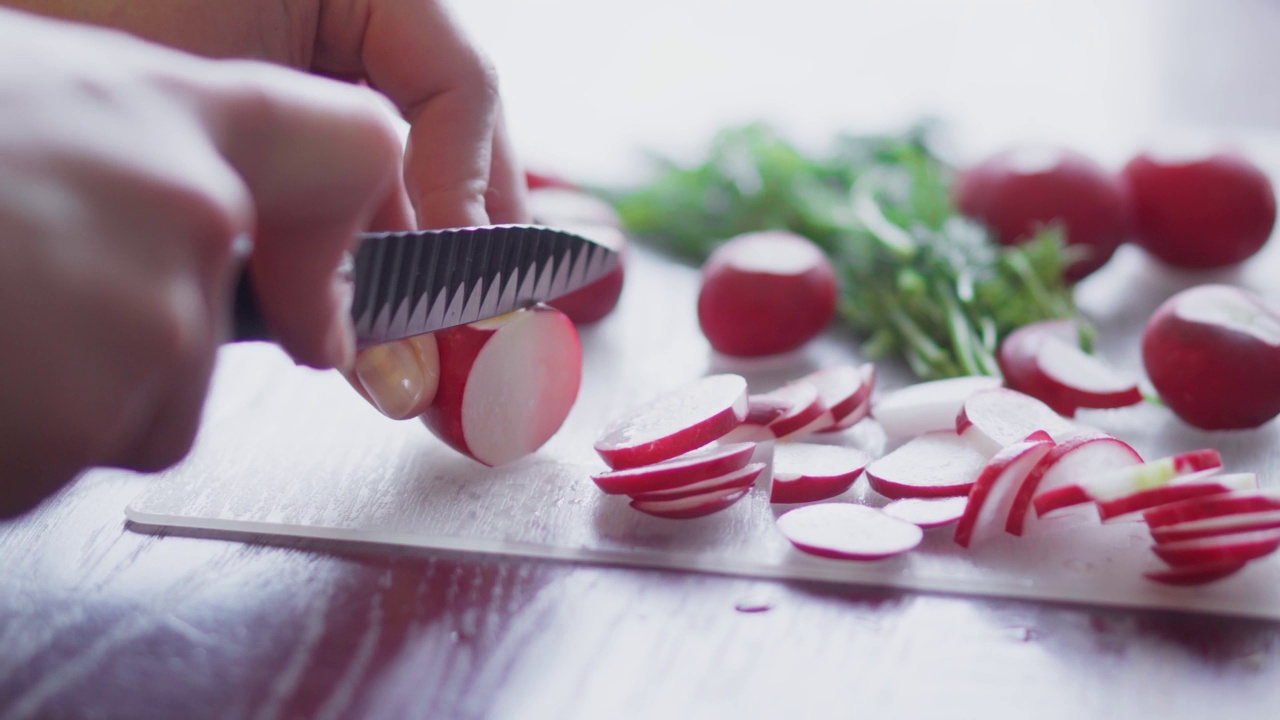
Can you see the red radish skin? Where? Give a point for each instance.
(1074, 458)
(765, 293)
(1016, 192)
(536, 180)
(687, 469)
(927, 406)
(1210, 211)
(676, 422)
(762, 410)
(1224, 525)
(928, 513)
(1119, 482)
(806, 408)
(994, 489)
(1213, 507)
(1044, 360)
(938, 464)
(694, 506)
(805, 472)
(740, 478)
(1207, 482)
(1237, 547)
(1211, 352)
(994, 419)
(845, 531)
(841, 391)
(862, 409)
(506, 384)
(1188, 575)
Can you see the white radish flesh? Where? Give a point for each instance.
(683, 470)
(676, 422)
(848, 532)
(928, 406)
(993, 419)
(928, 512)
(740, 478)
(1044, 360)
(806, 408)
(936, 464)
(692, 506)
(994, 489)
(805, 472)
(1078, 457)
(1126, 480)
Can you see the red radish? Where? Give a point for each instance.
(845, 531)
(1081, 456)
(692, 506)
(1205, 482)
(687, 469)
(1016, 192)
(674, 423)
(861, 408)
(1195, 574)
(841, 391)
(937, 464)
(928, 406)
(1204, 212)
(994, 489)
(993, 419)
(1044, 360)
(535, 180)
(593, 302)
(506, 384)
(804, 472)
(765, 293)
(1212, 507)
(1124, 481)
(1224, 525)
(762, 410)
(560, 206)
(1211, 352)
(740, 478)
(928, 512)
(1237, 547)
(805, 411)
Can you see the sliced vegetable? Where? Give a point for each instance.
(1200, 484)
(1126, 481)
(743, 477)
(807, 472)
(1044, 360)
(1185, 575)
(937, 464)
(1237, 547)
(1212, 507)
(1082, 456)
(994, 489)
(846, 531)
(675, 422)
(993, 419)
(687, 469)
(928, 512)
(693, 506)
(928, 406)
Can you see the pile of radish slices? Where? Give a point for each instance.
(967, 454)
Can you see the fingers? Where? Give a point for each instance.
(507, 197)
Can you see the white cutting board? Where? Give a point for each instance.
(292, 452)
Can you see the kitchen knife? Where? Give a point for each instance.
(409, 283)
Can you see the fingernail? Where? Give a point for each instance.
(341, 349)
(392, 375)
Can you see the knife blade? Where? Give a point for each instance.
(409, 283)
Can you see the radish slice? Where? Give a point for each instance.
(996, 485)
(1237, 547)
(804, 472)
(506, 384)
(848, 532)
(993, 419)
(1213, 506)
(761, 410)
(1222, 525)
(1205, 482)
(675, 423)
(936, 464)
(842, 390)
(1126, 481)
(1078, 457)
(863, 407)
(740, 478)
(692, 506)
(928, 512)
(928, 406)
(805, 411)
(1195, 574)
(684, 470)
(1044, 360)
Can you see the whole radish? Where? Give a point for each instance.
(1212, 352)
(765, 293)
(1017, 192)
(1206, 212)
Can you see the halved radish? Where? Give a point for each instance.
(1044, 360)
(928, 406)
(928, 512)
(1200, 484)
(993, 419)
(1213, 506)
(1077, 457)
(765, 293)
(1126, 480)
(1195, 574)
(936, 464)
(805, 411)
(692, 506)
(506, 384)
(740, 478)
(1236, 547)
(805, 472)
(1222, 525)
(687, 469)
(674, 423)
(994, 489)
(848, 532)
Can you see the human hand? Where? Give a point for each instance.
(459, 168)
(127, 181)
